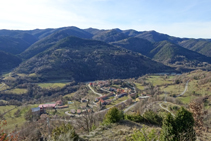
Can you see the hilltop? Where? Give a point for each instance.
(84, 60)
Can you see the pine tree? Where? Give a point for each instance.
(168, 129)
(184, 124)
(113, 115)
(178, 128)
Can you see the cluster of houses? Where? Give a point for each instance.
(114, 92)
(53, 105)
(104, 100)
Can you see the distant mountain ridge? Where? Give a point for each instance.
(164, 52)
(202, 46)
(39, 44)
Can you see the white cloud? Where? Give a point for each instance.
(38, 14)
(102, 14)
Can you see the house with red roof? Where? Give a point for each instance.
(102, 102)
(104, 97)
(47, 106)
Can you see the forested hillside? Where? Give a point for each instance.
(8, 61)
(84, 60)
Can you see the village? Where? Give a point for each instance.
(115, 93)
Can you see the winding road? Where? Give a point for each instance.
(116, 104)
(186, 87)
(94, 91)
(166, 109)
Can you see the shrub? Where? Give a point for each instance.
(142, 135)
(178, 128)
(112, 116)
(63, 131)
(135, 117)
(175, 107)
(152, 117)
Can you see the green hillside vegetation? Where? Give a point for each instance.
(198, 86)
(12, 45)
(83, 60)
(164, 52)
(43, 44)
(201, 46)
(8, 61)
(12, 121)
(49, 41)
(28, 37)
(135, 44)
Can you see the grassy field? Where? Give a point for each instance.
(5, 108)
(158, 80)
(17, 91)
(52, 85)
(139, 86)
(13, 122)
(117, 101)
(69, 95)
(173, 89)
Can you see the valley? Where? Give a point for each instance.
(75, 78)
(160, 93)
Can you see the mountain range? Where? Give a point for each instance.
(90, 54)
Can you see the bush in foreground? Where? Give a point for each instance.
(135, 117)
(178, 128)
(112, 116)
(152, 117)
(63, 131)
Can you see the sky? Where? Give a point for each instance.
(180, 18)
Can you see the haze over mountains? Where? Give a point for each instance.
(74, 53)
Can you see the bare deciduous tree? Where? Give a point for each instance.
(87, 121)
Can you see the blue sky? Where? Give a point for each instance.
(181, 18)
